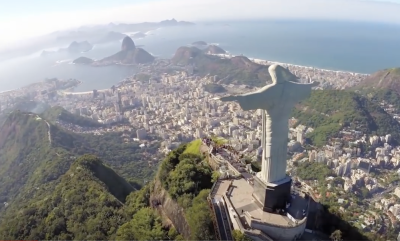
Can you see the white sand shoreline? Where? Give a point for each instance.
(268, 62)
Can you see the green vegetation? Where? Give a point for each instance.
(188, 178)
(313, 171)
(329, 111)
(219, 140)
(29, 160)
(142, 77)
(88, 202)
(239, 236)
(59, 113)
(81, 206)
(55, 195)
(389, 96)
(145, 225)
(214, 88)
(193, 147)
(395, 71)
(256, 166)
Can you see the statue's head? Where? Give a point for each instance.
(280, 74)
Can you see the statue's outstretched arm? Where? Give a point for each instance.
(237, 97)
(312, 84)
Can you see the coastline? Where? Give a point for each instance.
(269, 62)
(33, 86)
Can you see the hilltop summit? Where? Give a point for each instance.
(387, 79)
(235, 70)
(127, 44)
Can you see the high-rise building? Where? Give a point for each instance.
(300, 136)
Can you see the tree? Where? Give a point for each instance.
(199, 218)
(172, 233)
(145, 225)
(215, 176)
(239, 236)
(364, 192)
(336, 235)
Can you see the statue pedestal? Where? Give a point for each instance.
(272, 196)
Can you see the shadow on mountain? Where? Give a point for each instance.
(326, 222)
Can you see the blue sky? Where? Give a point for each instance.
(28, 18)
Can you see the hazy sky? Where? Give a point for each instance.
(26, 18)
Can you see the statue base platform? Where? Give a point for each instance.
(271, 197)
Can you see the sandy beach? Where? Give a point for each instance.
(268, 62)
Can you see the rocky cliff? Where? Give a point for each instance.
(127, 44)
(170, 209)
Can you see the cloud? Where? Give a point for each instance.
(202, 10)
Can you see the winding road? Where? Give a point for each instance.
(48, 125)
(48, 132)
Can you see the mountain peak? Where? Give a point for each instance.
(127, 44)
(387, 79)
(115, 184)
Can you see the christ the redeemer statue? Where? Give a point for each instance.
(277, 101)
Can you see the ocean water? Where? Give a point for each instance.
(348, 46)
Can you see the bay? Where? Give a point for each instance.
(348, 46)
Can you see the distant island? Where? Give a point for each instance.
(96, 34)
(200, 43)
(138, 35)
(208, 48)
(128, 55)
(74, 47)
(83, 60)
(114, 32)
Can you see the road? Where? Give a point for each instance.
(48, 132)
(379, 195)
(48, 125)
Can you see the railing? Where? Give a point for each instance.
(214, 218)
(226, 220)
